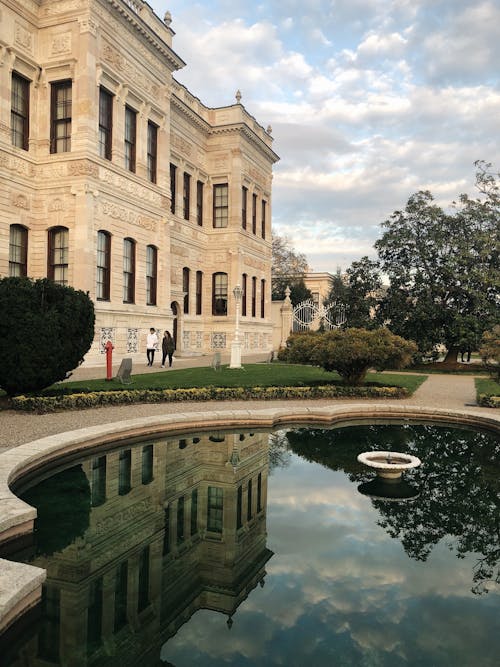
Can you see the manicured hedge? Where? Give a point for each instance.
(487, 401)
(42, 404)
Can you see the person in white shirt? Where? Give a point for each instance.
(151, 345)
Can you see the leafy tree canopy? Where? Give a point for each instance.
(444, 267)
(359, 292)
(288, 270)
(45, 330)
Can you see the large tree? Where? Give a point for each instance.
(288, 270)
(45, 331)
(444, 267)
(359, 292)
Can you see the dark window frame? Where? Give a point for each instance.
(199, 203)
(254, 296)
(263, 218)
(244, 294)
(129, 270)
(18, 251)
(103, 266)
(151, 275)
(199, 292)
(244, 205)
(219, 293)
(262, 298)
(152, 152)
(220, 205)
(173, 186)
(254, 214)
(186, 195)
(130, 139)
(20, 111)
(105, 123)
(186, 275)
(58, 101)
(53, 267)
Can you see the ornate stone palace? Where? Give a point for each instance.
(116, 180)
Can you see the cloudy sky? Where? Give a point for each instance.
(369, 101)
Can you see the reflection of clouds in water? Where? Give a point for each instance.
(339, 586)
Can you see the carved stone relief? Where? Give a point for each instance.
(129, 72)
(23, 37)
(61, 44)
(125, 215)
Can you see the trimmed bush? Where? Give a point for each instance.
(350, 352)
(43, 404)
(45, 331)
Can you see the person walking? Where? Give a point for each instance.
(151, 345)
(167, 347)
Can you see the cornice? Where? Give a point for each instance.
(194, 118)
(249, 134)
(147, 33)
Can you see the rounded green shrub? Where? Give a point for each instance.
(45, 330)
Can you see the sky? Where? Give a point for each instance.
(369, 101)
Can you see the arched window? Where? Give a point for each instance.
(18, 251)
(199, 291)
(244, 294)
(151, 274)
(185, 289)
(103, 266)
(57, 256)
(128, 271)
(219, 294)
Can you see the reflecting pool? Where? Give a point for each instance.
(257, 548)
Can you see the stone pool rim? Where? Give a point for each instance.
(20, 584)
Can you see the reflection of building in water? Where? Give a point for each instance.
(175, 526)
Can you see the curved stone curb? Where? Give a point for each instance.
(20, 584)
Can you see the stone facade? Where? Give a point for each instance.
(119, 182)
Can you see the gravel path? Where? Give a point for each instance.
(438, 391)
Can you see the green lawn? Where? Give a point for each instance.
(253, 375)
(487, 386)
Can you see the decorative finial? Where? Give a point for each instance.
(238, 96)
(269, 129)
(167, 19)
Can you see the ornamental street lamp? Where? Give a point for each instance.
(236, 345)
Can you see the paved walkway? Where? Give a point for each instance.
(438, 391)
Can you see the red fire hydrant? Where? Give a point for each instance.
(109, 347)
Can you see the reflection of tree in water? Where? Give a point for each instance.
(279, 453)
(458, 481)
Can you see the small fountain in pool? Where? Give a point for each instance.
(388, 484)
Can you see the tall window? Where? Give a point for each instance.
(239, 505)
(254, 214)
(152, 151)
(263, 220)
(173, 192)
(166, 534)
(215, 509)
(244, 198)
(219, 294)
(143, 592)
(262, 298)
(180, 520)
(249, 500)
(103, 265)
(20, 111)
(199, 291)
(105, 123)
(94, 615)
(254, 295)
(186, 195)
(259, 492)
(130, 138)
(185, 289)
(151, 274)
(60, 117)
(194, 511)
(18, 251)
(199, 203)
(57, 264)
(147, 464)
(98, 481)
(221, 205)
(244, 294)
(124, 472)
(121, 586)
(128, 271)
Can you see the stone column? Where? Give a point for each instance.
(286, 318)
